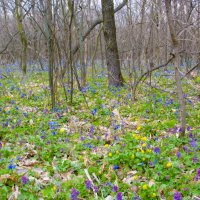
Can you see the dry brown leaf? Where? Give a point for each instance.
(5, 176)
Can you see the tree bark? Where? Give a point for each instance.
(175, 45)
(112, 56)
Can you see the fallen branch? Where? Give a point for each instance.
(89, 178)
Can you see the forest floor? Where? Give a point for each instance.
(115, 149)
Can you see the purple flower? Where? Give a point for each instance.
(116, 127)
(178, 196)
(82, 138)
(196, 178)
(1, 145)
(195, 159)
(24, 180)
(94, 111)
(185, 148)
(48, 142)
(178, 154)
(198, 172)
(115, 188)
(157, 150)
(74, 194)
(88, 184)
(190, 135)
(43, 136)
(151, 164)
(92, 129)
(119, 196)
(96, 189)
(193, 143)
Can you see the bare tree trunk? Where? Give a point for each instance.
(112, 56)
(24, 42)
(82, 50)
(71, 8)
(95, 51)
(102, 55)
(177, 73)
(50, 44)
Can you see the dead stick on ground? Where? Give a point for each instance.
(89, 178)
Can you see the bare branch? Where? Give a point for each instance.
(95, 23)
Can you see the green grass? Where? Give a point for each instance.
(52, 148)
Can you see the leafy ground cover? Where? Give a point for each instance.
(116, 149)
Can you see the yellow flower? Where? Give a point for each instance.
(144, 138)
(80, 157)
(143, 159)
(135, 177)
(169, 164)
(137, 137)
(154, 195)
(106, 145)
(144, 145)
(142, 151)
(133, 156)
(62, 130)
(110, 154)
(144, 187)
(138, 127)
(149, 150)
(54, 188)
(117, 152)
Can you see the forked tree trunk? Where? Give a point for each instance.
(112, 56)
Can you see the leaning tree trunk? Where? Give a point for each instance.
(112, 56)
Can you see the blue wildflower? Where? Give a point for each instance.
(11, 166)
(178, 154)
(94, 111)
(115, 167)
(116, 127)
